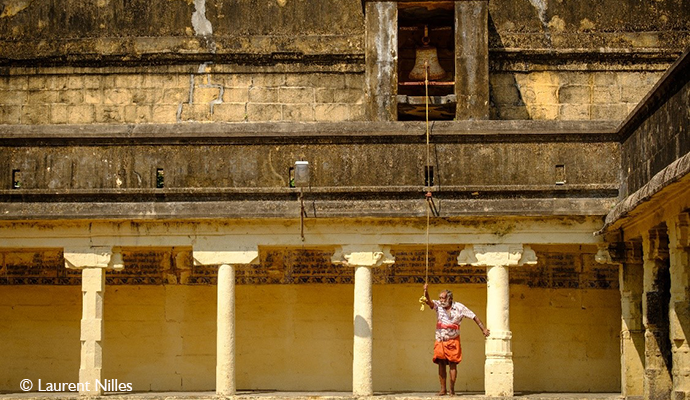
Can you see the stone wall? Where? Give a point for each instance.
(97, 96)
(284, 60)
(162, 338)
(657, 134)
(160, 330)
(568, 95)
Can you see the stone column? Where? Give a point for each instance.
(679, 315)
(362, 259)
(631, 274)
(498, 368)
(655, 307)
(225, 331)
(628, 256)
(92, 261)
(472, 59)
(381, 58)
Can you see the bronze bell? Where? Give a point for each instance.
(426, 56)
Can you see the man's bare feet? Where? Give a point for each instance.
(441, 393)
(452, 392)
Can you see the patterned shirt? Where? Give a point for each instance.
(448, 321)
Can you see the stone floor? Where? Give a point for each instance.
(273, 395)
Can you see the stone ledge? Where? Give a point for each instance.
(274, 395)
(327, 132)
(417, 208)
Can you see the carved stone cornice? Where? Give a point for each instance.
(505, 255)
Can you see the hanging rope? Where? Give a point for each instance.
(422, 299)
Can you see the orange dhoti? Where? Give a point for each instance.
(448, 351)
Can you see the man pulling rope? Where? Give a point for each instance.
(447, 350)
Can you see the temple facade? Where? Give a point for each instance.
(249, 195)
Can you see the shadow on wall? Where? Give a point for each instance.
(505, 99)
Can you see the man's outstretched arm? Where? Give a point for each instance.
(481, 326)
(426, 295)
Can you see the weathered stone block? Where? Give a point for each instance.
(353, 96)
(10, 114)
(543, 112)
(93, 96)
(196, 112)
(298, 112)
(75, 82)
(506, 94)
(263, 95)
(14, 83)
(35, 114)
(175, 96)
(236, 95)
(354, 81)
(609, 111)
(37, 82)
(117, 96)
(333, 81)
(324, 95)
(546, 94)
(205, 95)
(269, 80)
(229, 112)
(17, 97)
(264, 112)
(128, 81)
(574, 94)
(92, 81)
(605, 79)
(606, 94)
(233, 80)
(633, 94)
(42, 96)
(331, 112)
(507, 112)
(296, 95)
(164, 113)
(574, 78)
(59, 114)
(147, 96)
(574, 112)
(109, 113)
(73, 97)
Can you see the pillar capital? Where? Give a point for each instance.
(655, 244)
(679, 229)
(497, 255)
(226, 257)
(362, 256)
(93, 257)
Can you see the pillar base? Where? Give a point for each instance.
(89, 380)
(498, 377)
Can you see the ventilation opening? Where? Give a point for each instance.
(16, 179)
(160, 178)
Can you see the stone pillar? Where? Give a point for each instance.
(225, 344)
(381, 54)
(472, 59)
(498, 368)
(362, 259)
(92, 261)
(655, 302)
(631, 273)
(225, 331)
(679, 313)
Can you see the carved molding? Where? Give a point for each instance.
(493, 255)
(362, 256)
(93, 257)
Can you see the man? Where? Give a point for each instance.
(447, 350)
